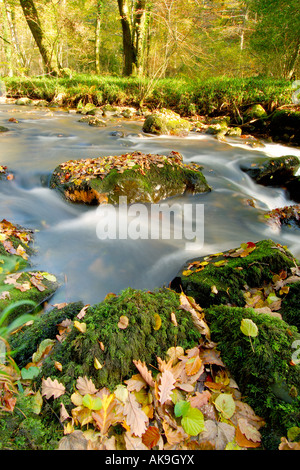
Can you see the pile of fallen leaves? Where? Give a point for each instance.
(24, 281)
(288, 215)
(241, 252)
(7, 231)
(3, 172)
(77, 171)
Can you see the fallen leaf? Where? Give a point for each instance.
(167, 384)
(123, 322)
(52, 388)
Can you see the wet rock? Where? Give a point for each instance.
(284, 216)
(255, 112)
(166, 122)
(274, 172)
(251, 264)
(90, 109)
(23, 101)
(234, 132)
(96, 122)
(3, 129)
(285, 126)
(139, 177)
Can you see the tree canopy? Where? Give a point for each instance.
(163, 38)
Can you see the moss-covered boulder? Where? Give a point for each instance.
(275, 171)
(139, 177)
(255, 111)
(285, 126)
(132, 325)
(224, 278)
(166, 122)
(262, 367)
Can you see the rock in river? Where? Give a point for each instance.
(141, 178)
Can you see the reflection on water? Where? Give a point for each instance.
(66, 237)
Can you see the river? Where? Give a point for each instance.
(66, 234)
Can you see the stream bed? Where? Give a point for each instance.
(66, 234)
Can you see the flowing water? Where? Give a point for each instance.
(66, 238)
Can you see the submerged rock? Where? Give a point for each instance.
(166, 122)
(139, 177)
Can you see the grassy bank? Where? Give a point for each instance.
(187, 97)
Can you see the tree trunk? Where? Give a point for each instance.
(33, 21)
(133, 29)
(98, 35)
(21, 60)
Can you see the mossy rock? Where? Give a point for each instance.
(90, 109)
(275, 171)
(25, 341)
(34, 286)
(24, 101)
(290, 305)
(3, 129)
(166, 122)
(285, 126)
(139, 177)
(18, 283)
(229, 274)
(262, 368)
(234, 132)
(150, 333)
(255, 112)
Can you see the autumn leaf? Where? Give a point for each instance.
(225, 404)
(123, 322)
(250, 432)
(133, 442)
(52, 388)
(193, 365)
(242, 441)
(135, 416)
(145, 373)
(217, 434)
(85, 385)
(174, 436)
(135, 383)
(80, 326)
(200, 399)
(151, 437)
(167, 384)
(157, 322)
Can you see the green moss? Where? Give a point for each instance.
(290, 309)
(265, 376)
(22, 429)
(140, 340)
(26, 341)
(141, 178)
(33, 293)
(255, 269)
(165, 122)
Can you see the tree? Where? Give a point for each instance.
(276, 37)
(47, 52)
(133, 21)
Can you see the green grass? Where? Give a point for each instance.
(212, 96)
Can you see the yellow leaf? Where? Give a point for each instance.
(157, 322)
(97, 364)
(123, 322)
(58, 366)
(80, 326)
(173, 319)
